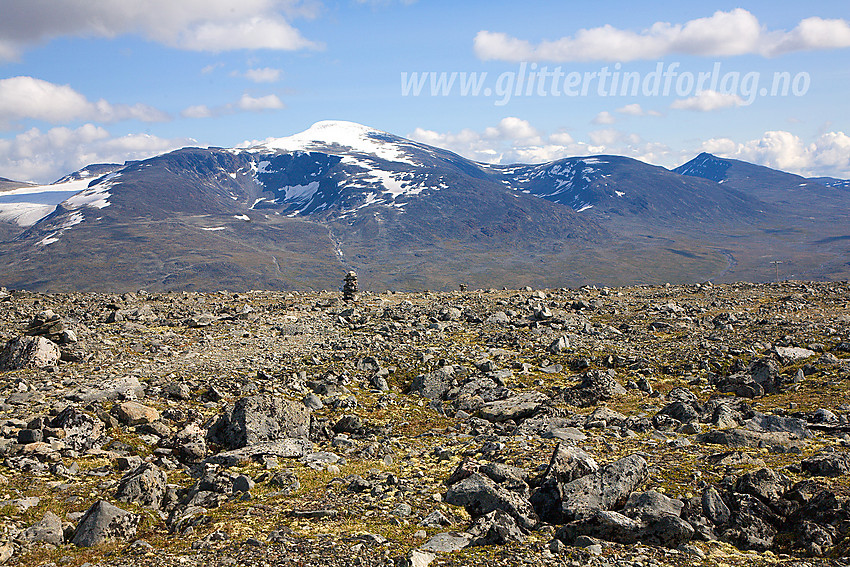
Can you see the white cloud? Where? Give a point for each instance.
(516, 141)
(30, 98)
(268, 102)
(829, 154)
(200, 25)
(706, 101)
(263, 75)
(46, 156)
(197, 111)
(604, 117)
(246, 103)
(736, 32)
(258, 32)
(606, 137)
(635, 109)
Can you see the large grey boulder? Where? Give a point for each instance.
(651, 504)
(111, 389)
(29, 352)
(433, 385)
(103, 522)
(827, 464)
(48, 530)
(257, 419)
(145, 486)
(514, 408)
(665, 530)
(606, 489)
(495, 528)
(480, 496)
(566, 465)
(714, 508)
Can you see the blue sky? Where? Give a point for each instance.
(85, 81)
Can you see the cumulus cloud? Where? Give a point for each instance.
(736, 32)
(514, 140)
(604, 117)
(43, 157)
(828, 154)
(706, 101)
(200, 25)
(30, 98)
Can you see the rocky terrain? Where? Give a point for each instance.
(642, 426)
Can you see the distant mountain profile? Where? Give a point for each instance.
(298, 212)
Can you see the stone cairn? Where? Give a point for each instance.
(349, 290)
(51, 326)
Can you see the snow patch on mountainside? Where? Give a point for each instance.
(28, 205)
(300, 193)
(356, 137)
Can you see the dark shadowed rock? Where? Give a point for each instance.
(103, 522)
(566, 465)
(827, 464)
(257, 419)
(714, 508)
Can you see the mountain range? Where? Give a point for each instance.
(298, 212)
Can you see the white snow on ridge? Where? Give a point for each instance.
(355, 136)
(26, 206)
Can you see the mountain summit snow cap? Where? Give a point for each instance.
(355, 137)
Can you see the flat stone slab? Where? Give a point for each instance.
(447, 542)
(516, 407)
(283, 448)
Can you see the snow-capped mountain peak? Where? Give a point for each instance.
(356, 137)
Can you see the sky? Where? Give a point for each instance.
(94, 81)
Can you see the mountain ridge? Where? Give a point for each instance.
(297, 212)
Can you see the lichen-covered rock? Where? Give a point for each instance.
(606, 489)
(433, 385)
(258, 419)
(102, 522)
(566, 465)
(47, 530)
(29, 352)
(480, 496)
(144, 485)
